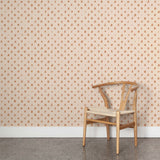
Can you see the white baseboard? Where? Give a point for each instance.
(28, 132)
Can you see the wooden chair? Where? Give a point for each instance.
(107, 112)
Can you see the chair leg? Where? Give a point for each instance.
(117, 131)
(135, 129)
(84, 126)
(108, 130)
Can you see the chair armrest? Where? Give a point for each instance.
(104, 84)
(114, 83)
(134, 88)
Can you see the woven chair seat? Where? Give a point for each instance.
(107, 112)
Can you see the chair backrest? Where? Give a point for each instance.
(132, 86)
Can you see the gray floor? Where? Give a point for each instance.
(71, 149)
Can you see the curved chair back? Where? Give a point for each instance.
(133, 86)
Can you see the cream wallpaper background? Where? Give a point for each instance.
(52, 52)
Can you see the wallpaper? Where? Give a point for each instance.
(53, 51)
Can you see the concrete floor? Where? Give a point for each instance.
(71, 149)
